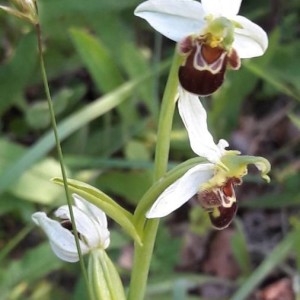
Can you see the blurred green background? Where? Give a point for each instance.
(107, 71)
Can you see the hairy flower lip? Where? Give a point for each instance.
(222, 195)
(204, 68)
(221, 217)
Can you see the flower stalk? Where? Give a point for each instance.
(143, 253)
(58, 148)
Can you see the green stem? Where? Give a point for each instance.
(59, 151)
(143, 254)
(166, 120)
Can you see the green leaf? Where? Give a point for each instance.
(89, 8)
(165, 287)
(124, 183)
(35, 264)
(98, 60)
(10, 204)
(118, 240)
(240, 249)
(34, 185)
(165, 258)
(228, 100)
(92, 162)
(295, 120)
(15, 74)
(271, 76)
(15, 240)
(136, 63)
(284, 199)
(37, 115)
(271, 261)
(67, 127)
(136, 150)
(113, 138)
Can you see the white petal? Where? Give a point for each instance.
(222, 144)
(225, 8)
(251, 40)
(96, 214)
(194, 118)
(181, 190)
(62, 241)
(90, 209)
(86, 226)
(175, 19)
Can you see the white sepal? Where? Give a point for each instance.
(62, 240)
(175, 19)
(250, 40)
(194, 118)
(181, 190)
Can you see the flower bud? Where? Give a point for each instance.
(23, 9)
(104, 280)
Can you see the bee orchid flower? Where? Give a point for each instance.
(212, 182)
(91, 224)
(210, 35)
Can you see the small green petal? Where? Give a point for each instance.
(264, 167)
(233, 165)
(237, 25)
(223, 29)
(237, 165)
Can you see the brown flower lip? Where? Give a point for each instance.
(226, 215)
(204, 69)
(220, 203)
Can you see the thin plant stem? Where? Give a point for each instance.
(60, 154)
(143, 254)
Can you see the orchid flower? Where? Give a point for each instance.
(213, 181)
(91, 224)
(23, 9)
(210, 35)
